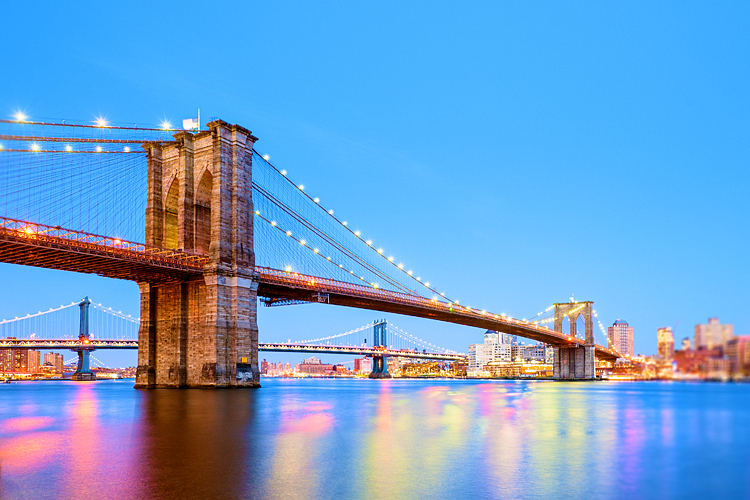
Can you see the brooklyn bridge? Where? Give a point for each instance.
(208, 228)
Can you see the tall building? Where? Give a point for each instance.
(712, 334)
(686, 345)
(621, 337)
(665, 343)
(55, 360)
(16, 359)
(34, 361)
(494, 348)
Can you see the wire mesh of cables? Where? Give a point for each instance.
(80, 177)
(294, 232)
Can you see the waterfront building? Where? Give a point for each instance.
(621, 337)
(362, 365)
(493, 349)
(264, 366)
(712, 334)
(686, 345)
(318, 368)
(287, 367)
(34, 361)
(55, 360)
(738, 354)
(19, 360)
(665, 343)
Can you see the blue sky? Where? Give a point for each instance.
(511, 153)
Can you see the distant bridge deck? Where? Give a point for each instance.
(53, 247)
(263, 346)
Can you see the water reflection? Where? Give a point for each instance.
(375, 439)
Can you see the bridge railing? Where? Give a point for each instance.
(47, 235)
(329, 285)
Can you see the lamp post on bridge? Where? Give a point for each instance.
(83, 372)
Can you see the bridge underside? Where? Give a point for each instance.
(279, 291)
(95, 257)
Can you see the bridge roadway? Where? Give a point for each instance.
(263, 346)
(53, 247)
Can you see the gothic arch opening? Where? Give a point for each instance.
(566, 325)
(203, 213)
(170, 215)
(581, 327)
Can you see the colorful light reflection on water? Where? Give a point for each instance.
(376, 439)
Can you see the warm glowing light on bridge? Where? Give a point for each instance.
(330, 212)
(266, 157)
(288, 233)
(126, 149)
(98, 149)
(34, 146)
(380, 251)
(283, 172)
(101, 122)
(68, 148)
(301, 187)
(20, 116)
(343, 223)
(166, 125)
(356, 233)
(288, 269)
(273, 222)
(316, 200)
(369, 242)
(28, 230)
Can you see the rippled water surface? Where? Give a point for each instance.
(376, 439)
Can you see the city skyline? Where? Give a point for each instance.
(655, 186)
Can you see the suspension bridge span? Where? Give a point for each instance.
(222, 227)
(86, 326)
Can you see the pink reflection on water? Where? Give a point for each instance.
(25, 424)
(309, 417)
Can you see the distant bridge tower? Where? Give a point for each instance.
(201, 332)
(379, 363)
(83, 372)
(575, 363)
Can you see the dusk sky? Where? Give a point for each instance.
(512, 154)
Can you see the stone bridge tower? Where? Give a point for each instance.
(202, 332)
(574, 363)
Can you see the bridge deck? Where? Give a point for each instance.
(263, 346)
(53, 247)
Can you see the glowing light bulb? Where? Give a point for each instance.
(390, 259)
(344, 223)
(316, 250)
(330, 212)
(288, 268)
(316, 200)
(98, 149)
(273, 222)
(126, 149)
(301, 242)
(400, 266)
(20, 116)
(288, 233)
(266, 157)
(283, 172)
(68, 148)
(369, 242)
(427, 283)
(301, 187)
(380, 250)
(101, 122)
(166, 125)
(356, 233)
(409, 273)
(34, 146)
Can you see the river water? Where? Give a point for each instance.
(390, 439)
